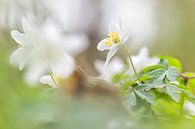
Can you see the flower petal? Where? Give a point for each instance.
(18, 57)
(102, 46)
(64, 66)
(112, 27)
(115, 26)
(47, 79)
(34, 73)
(99, 66)
(75, 44)
(20, 38)
(111, 53)
(124, 37)
(27, 26)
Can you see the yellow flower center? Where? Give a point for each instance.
(114, 38)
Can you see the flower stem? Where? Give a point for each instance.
(51, 74)
(131, 61)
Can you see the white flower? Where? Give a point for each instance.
(143, 60)
(59, 71)
(106, 73)
(139, 18)
(117, 37)
(11, 11)
(43, 47)
(190, 107)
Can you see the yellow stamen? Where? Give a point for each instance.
(108, 41)
(114, 38)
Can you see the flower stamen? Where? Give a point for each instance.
(114, 38)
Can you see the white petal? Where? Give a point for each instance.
(20, 38)
(18, 58)
(47, 79)
(99, 66)
(144, 52)
(111, 53)
(75, 44)
(34, 73)
(124, 37)
(102, 46)
(113, 27)
(116, 65)
(119, 22)
(27, 26)
(190, 107)
(64, 66)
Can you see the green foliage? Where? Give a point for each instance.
(159, 82)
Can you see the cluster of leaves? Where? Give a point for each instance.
(161, 81)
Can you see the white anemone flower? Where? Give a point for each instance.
(114, 67)
(58, 72)
(43, 48)
(117, 37)
(142, 60)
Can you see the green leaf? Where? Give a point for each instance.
(131, 98)
(173, 62)
(146, 96)
(170, 73)
(173, 92)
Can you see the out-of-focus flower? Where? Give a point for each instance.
(43, 47)
(117, 37)
(59, 71)
(73, 15)
(138, 17)
(142, 60)
(114, 67)
(11, 11)
(190, 107)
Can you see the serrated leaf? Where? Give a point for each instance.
(146, 96)
(160, 74)
(131, 98)
(173, 62)
(173, 92)
(172, 74)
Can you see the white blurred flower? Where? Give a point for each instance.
(73, 15)
(190, 107)
(59, 71)
(139, 18)
(142, 60)
(11, 11)
(43, 47)
(117, 37)
(114, 67)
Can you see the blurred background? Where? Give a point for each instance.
(166, 27)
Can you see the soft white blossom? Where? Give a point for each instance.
(43, 47)
(106, 73)
(142, 60)
(11, 11)
(190, 107)
(73, 15)
(117, 37)
(138, 16)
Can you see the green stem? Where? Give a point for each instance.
(51, 74)
(131, 61)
